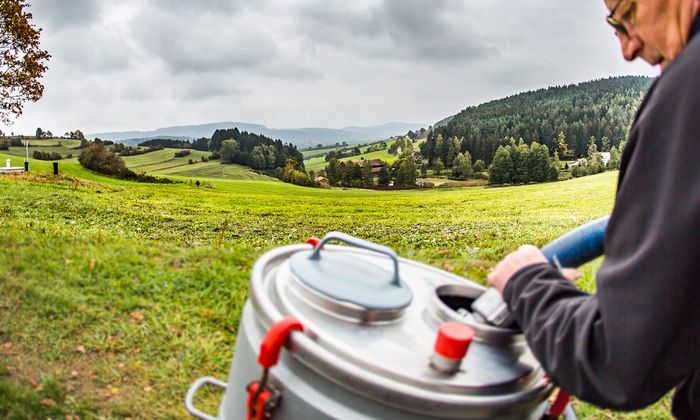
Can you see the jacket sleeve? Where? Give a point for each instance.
(639, 335)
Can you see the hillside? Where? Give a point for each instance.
(164, 163)
(301, 137)
(600, 108)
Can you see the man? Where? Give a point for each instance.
(638, 337)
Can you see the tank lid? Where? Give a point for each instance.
(339, 277)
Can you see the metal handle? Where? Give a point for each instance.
(360, 243)
(194, 388)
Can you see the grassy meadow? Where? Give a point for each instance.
(115, 296)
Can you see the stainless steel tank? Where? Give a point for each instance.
(368, 347)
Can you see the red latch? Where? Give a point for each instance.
(557, 408)
(313, 241)
(261, 398)
(274, 340)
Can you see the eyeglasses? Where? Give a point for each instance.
(616, 24)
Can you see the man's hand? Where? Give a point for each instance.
(524, 256)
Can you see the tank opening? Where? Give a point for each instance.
(460, 299)
(457, 302)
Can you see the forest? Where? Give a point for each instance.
(603, 109)
(254, 150)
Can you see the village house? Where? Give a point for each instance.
(604, 157)
(322, 181)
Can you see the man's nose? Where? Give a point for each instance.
(631, 46)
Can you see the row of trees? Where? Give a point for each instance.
(343, 153)
(520, 164)
(201, 144)
(124, 150)
(5, 144)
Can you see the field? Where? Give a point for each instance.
(62, 146)
(322, 152)
(114, 295)
(163, 162)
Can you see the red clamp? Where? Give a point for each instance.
(559, 404)
(262, 399)
(313, 241)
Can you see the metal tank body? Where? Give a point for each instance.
(365, 357)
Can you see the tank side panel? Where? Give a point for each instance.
(305, 394)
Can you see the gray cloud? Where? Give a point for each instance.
(143, 64)
(57, 15)
(395, 29)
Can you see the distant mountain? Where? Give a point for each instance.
(301, 137)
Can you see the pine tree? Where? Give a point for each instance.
(406, 174)
(384, 177)
(614, 162)
(563, 147)
(367, 180)
(438, 166)
(333, 171)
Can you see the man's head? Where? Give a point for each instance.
(654, 30)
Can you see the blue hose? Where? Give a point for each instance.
(578, 246)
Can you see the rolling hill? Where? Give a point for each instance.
(301, 137)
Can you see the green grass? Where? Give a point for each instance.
(123, 293)
(163, 163)
(216, 169)
(154, 162)
(151, 158)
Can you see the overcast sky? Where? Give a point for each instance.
(144, 64)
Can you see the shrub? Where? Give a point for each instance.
(41, 155)
(97, 158)
(182, 153)
(4, 144)
(191, 162)
(579, 171)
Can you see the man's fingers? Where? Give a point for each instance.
(571, 274)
